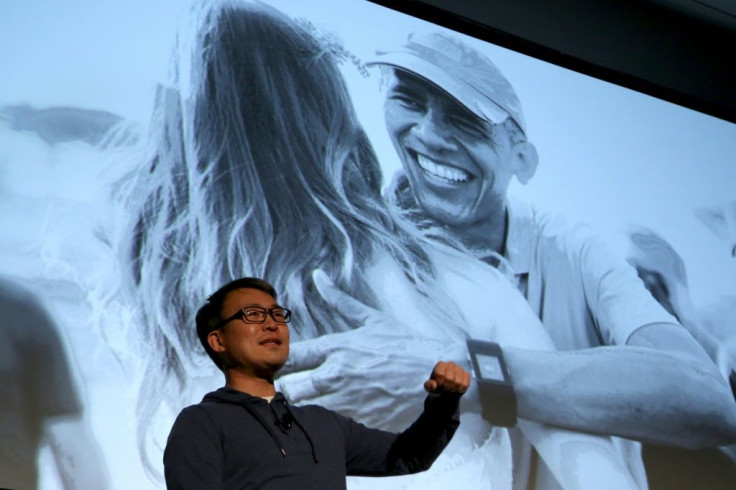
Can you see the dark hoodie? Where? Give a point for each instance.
(235, 440)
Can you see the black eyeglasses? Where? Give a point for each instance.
(257, 314)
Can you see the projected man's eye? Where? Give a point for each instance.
(407, 99)
(469, 127)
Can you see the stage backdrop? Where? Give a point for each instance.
(608, 157)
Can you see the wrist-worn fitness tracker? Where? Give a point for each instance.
(498, 400)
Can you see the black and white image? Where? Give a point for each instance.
(406, 188)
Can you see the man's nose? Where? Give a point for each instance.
(433, 132)
(270, 323)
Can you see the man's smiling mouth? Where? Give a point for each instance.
(271, 342)
(442, 172)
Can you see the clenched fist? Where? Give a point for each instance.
(447, 377)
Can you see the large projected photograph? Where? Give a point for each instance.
(405, 189)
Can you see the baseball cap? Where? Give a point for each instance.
(459, 70)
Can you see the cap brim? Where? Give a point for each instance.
(464, 93)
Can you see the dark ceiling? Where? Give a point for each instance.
(683, 51)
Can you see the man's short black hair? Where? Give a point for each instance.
(208, 316)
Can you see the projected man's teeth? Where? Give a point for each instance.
(443, 172)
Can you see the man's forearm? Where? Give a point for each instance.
(633, 392)
(417, 447)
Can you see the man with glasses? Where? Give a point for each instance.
(246, 435)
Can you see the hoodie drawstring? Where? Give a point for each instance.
(270, 431)
(273, 433)
(296, 421)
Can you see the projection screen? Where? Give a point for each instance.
(119, 217)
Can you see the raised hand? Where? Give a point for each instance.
(447, 377)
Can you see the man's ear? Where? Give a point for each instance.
(213, 338)
(526, 160)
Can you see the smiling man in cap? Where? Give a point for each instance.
(625, 367)
(458, 127)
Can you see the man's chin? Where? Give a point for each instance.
(445, 215)
(276, 366)
(271, 369)
(447, 206)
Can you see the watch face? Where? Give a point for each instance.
(489, 367)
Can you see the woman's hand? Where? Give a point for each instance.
(379, 366)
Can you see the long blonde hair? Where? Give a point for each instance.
(256, 166)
